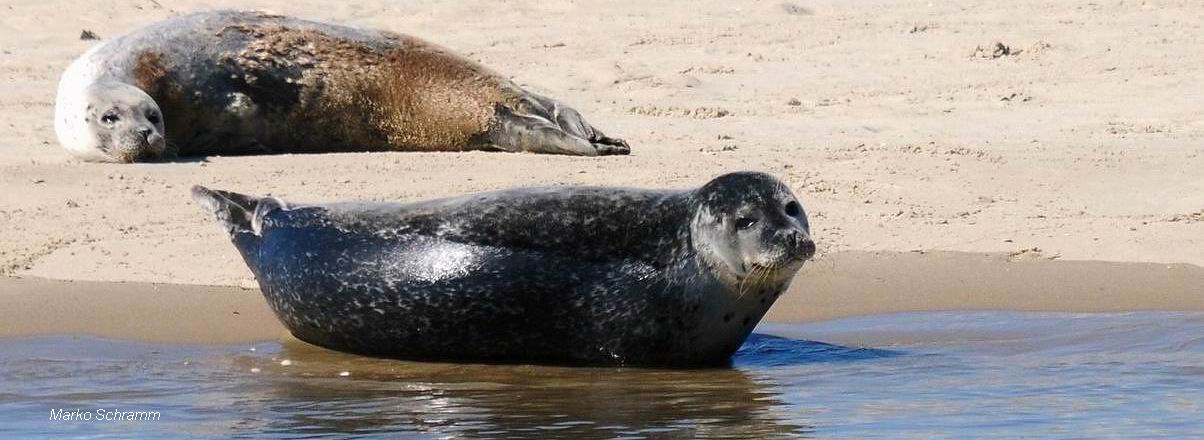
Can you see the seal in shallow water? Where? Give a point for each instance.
(231, 82)
(577, 275)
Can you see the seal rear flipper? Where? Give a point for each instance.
(537, 124)
(573, 123)
(239, 214)
(524, 133)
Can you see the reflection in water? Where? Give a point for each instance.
(947, 374)
(490, 400)
(222, 391)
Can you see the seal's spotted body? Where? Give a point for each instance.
(552, 275)
(232, 82)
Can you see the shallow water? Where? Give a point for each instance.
(958, 375)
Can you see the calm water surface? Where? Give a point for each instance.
(960, 375)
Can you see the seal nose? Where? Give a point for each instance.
(801, 244)
(146, 133)
(807, 249)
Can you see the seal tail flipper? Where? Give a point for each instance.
(571, 121)
(240, 215)
(543, 125)
(236, 212)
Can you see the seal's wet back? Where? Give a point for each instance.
(566, 275)
(231, 82)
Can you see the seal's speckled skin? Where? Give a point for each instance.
(230, 82)
(567, 275)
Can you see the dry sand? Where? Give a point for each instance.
(900, 124)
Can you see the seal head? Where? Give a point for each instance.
(749, 226)
(114, 122)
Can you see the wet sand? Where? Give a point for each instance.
(173, 313)
(838, 285)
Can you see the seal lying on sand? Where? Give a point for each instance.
(576, 275)
(232, 82)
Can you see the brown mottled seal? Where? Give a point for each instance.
(230, 82)
(567, 275)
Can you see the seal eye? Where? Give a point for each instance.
(153, 118)
(110, 118)
(793, 209)
(743, 223)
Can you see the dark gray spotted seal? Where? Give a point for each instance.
(567, 275)
(230, 82)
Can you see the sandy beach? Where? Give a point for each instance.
(977, 155)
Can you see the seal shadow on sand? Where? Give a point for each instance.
(391, 396)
